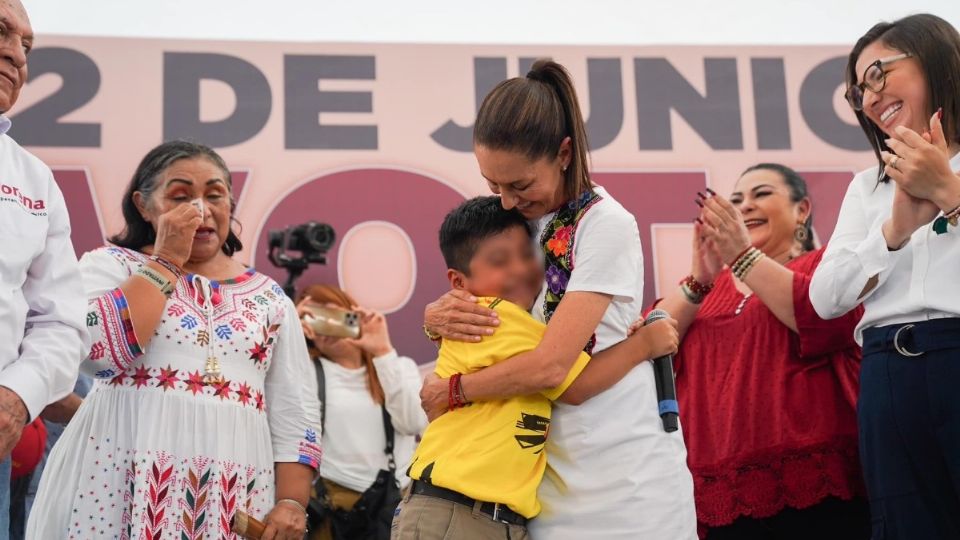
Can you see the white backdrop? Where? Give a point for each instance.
(600, 22)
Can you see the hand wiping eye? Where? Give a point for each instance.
(198, 204)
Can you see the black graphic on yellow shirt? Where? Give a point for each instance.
(539, 425)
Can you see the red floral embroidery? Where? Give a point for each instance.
(258, 397)
(560, 242)
(119, 380)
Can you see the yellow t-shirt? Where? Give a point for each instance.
(492, 451)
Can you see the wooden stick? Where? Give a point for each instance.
(247, 526)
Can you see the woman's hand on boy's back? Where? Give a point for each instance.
(434, 396)
(457, 316)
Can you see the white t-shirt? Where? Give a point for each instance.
(613, 472)
(353, 437)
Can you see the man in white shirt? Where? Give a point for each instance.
(42, 331)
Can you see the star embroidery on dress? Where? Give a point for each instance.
(195, 382)
(222, 389)
(259, 399)
(243, 394)
(168, 378)
(119, 379)
(141, 376)
(259, 352)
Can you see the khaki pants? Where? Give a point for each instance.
(420, 517)
(341, 498)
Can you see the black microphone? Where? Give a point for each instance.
(666, 386)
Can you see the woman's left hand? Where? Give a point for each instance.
(374, 337)
(920, 165)
(285, 522)
(723, 228)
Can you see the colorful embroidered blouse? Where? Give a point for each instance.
(155, 451)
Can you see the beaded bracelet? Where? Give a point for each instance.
(694, 290)
(691, 296)
(746, 263)
(696, 287)
(456, 398)
(742, 259)
(741, 271)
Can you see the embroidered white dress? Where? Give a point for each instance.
(154, 452)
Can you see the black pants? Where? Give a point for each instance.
(909, 415)
(831, 519)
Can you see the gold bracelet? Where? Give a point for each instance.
(295, 503)
(431, 335)
(156, 278)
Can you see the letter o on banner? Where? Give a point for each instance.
(406, 207)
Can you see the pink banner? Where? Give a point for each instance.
(375, 139)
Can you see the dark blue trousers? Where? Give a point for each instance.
(909, 416)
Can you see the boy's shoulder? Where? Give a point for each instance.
(513, 318)
(505, 308)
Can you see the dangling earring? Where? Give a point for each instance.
(801, 234)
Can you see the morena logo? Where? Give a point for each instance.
(27, 202)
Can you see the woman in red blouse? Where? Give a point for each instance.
(767, 389)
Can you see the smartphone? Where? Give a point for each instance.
(333, 322)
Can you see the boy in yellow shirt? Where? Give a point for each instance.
(477, 468)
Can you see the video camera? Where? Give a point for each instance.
(312, 239)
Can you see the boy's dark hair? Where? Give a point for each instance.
(472, 222)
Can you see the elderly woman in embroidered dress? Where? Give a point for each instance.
(202, 406)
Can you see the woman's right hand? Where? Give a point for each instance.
(457, 316)
(706, 261)
(175, 231)
(907, 215)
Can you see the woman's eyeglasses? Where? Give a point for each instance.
(874, 79)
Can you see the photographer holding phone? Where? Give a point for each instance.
(363, 378)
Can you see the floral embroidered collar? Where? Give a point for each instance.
(557, 243)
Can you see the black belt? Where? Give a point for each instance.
(496, 511)
(913, 339)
